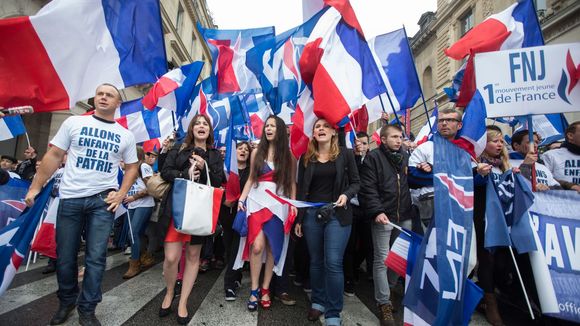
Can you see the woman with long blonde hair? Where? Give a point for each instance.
(326, 173)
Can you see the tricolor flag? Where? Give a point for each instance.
(11, 127)
(303, 124)
(258, 111)
(230, 72)
(514, 28)
(427, 130)
(278, 67)
(238, 129)
(174, 90)
(395, 60)
(199, 103)
(401, 260)
(16, 237)
(60, 55)
(472, 137)
(338, 65)
(145, 124)
(45, 240)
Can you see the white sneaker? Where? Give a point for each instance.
(128, 251)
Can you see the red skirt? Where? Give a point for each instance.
(174, 236)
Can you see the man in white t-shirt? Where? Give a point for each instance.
(95, 144)
(523, 157)
(564, 162)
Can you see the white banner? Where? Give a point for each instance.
(536, 80)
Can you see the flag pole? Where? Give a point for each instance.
(27, 138)
(421, 88)
(130, 227)
(522, 283)
(533, 146)
(398, 228)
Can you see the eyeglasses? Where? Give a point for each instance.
(447, 120)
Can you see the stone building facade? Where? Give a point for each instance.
(183, 45)
(559, 19)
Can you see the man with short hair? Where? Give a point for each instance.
(8, 163)
(27, 168)
(96, 145)
(421, 163)
(564, 162)
(524, 156)
(385, 197)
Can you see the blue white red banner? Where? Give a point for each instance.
(12, 200)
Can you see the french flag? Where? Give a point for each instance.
(200, 98)
(230, 73)
(11, 127)
(514, 28)
(472, 137)
(60, 55)
(145, 124)
(15, 238)
(303, 124)
(427, 130)
(395, 61)
(174, 89)
(338, 65)
(258, 111)
(45, 240)
(270, 215)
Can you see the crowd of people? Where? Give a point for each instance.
(368, 194)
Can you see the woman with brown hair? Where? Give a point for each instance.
(326, 173)
(187, 160)
(272, 168)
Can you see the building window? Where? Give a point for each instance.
(466, 22)
(428, 90)
(179, 23)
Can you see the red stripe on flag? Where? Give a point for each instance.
(345, 9)
(396, 263)
(27, 76)
(161, 88)
(217, 203)
(255, 222)
(289, 57)
(328, 100)
(233, 190)
(227, 81)
(490, 33)
(257, 125)
(298, 139)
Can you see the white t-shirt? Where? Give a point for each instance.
(95, 148)
(563, 164)
(423, 153)
(138, 186)
(543, 174)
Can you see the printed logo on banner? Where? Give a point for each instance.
(571, 81)
(560, 238)
(534, 80)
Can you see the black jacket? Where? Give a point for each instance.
(27, 169)
(347, 182)
(384, 187)
(177, 165)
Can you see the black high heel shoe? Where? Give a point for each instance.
(164, 312)
(183, 320)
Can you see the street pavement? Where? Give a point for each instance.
(32, 300)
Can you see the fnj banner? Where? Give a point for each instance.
(536, 80)
(556, 265)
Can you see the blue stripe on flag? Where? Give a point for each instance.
(14, 127)
(135, 26)
(151, 120)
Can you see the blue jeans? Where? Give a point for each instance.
(139, 217)
(326, 244)
(75, 215)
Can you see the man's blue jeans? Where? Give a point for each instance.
(326, 244)
(74, 216)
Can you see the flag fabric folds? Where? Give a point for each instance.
(230, 72)
(174, 90)
(45, 240)
(16, 237)
(12, 200)
(472, 136)
(401, 260)
(516, 27)
(60, 55)
(394, 57)
(496, 229)
(145, 124)
(338, 65)
(436, 292)
(11, 127)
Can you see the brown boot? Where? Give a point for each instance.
(386, 315)
(491, 310)
(146, 260)
(134, 269)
